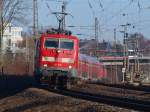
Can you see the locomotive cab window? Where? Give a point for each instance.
(51, 43)
(66, 44)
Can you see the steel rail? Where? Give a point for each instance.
(125, 86)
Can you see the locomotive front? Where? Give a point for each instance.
(58, 58)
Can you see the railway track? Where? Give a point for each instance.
(128, 103)
(113, 91)
(124, 86)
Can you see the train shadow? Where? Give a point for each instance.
(12, 84)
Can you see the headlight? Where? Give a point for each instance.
(50, 59)
(67, 60)
(70, 67)
(45, 65)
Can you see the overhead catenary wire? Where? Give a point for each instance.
(105, 23)
(135, 24)
(117, 13)
(91, 7)
(121, 10)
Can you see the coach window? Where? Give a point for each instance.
(51, 43)
(66, 44)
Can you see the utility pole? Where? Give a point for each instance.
(115, 36)
(35, 27)
(115, 46)
(96, 33)
(136, 49)
(125, 51)
(27, 55)
(35, 19)
(1, 35)
(1, 24)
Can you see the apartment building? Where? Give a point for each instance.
(11, 38)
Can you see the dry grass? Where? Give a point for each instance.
(16, 65)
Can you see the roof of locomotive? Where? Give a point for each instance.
(58, 36)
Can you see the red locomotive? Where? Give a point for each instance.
(57, 61)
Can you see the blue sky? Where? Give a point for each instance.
(109, 12)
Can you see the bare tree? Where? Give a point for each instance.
(10, 11)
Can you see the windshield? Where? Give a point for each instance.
(59, 43)
(51, 43)
(66, 44)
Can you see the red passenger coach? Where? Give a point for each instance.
(57, 61)
(90, 68)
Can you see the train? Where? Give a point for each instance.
(58, 62)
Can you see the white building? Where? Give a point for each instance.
(11, 38)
